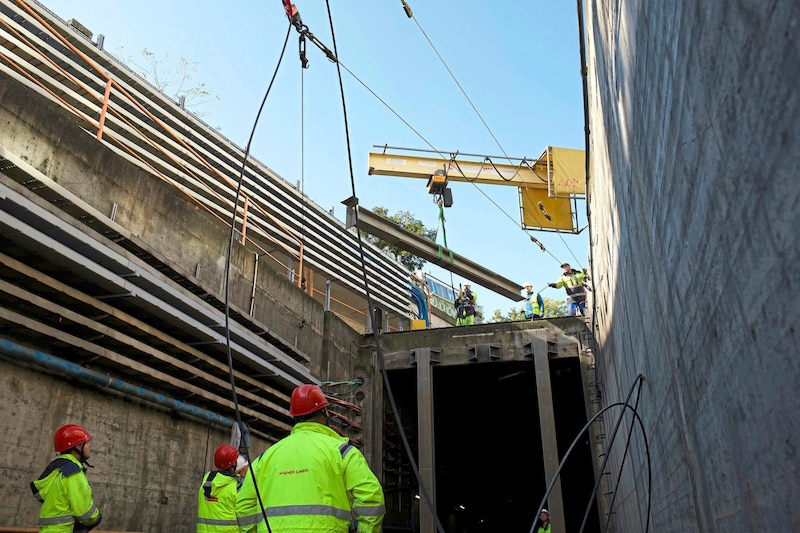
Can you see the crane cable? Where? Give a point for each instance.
(440, 224)
(375, 333)
(296, 21)
(226, 285)
(410, 15)
(440, 221)
(427, 142)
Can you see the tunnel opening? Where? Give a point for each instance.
(488, 447)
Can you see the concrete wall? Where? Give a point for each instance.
(148, 462)
(160, 218)
(695, 215)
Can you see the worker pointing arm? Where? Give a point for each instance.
(572, 281)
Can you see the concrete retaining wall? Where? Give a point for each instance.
(147, 463)
(695, 210)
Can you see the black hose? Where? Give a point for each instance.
(575, 442)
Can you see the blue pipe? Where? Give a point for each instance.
(72, 370)
(422, 304)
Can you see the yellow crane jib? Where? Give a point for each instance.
(548, 186)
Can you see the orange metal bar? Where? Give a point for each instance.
(102, 121)
(106, 107)
(342, 303)
(54, 95)
(244, 218)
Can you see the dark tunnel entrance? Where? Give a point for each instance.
(488, 449)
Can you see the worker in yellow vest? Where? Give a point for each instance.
(216, 500)
(311, 480)
(573, 282)
(465, 306)
(63, 489)
(543, 524)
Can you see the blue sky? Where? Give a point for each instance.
(517, 61)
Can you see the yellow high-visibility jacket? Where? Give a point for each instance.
(216, 503)
(572, 281)
(312, 480)
(65, 495)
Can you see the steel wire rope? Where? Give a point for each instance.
(452, 156)
(384, 374)
(303, 185)
(246, 155)
(585, 428)
(441, 153)
(376, 335)
(471, 181)
(444, 63)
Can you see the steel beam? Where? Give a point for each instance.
(412, 166)
(432, 252)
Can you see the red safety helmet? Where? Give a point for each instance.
(69, 436)
(225, 457)
(307, 399)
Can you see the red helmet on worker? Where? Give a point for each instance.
(307, 399)
(68, 436)
(225, 457)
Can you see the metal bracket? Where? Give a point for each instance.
(436, 355)
(485, 352)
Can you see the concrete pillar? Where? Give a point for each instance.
(544, 393)
(427, 465)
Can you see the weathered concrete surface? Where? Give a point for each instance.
(160, 218)
(148, 461)
(147, 464)
(504, 341)
(695, 209)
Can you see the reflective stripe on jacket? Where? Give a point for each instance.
(65, 495)
(312, 480)
(216, 503)
(573, 283)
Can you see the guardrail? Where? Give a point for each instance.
(124, 122)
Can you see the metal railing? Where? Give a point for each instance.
(154, 146)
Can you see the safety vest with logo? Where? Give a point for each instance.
(312, 480)
(216, 503)
(65, 495)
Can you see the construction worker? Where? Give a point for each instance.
(543, 525)
(465, 306)
(242, 467)
(311, 480)
(216, 500)
(63, 489)
(572, 281)
(534, 304)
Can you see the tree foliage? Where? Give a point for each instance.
(172, 78)
(410, 223)
(552, 308)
